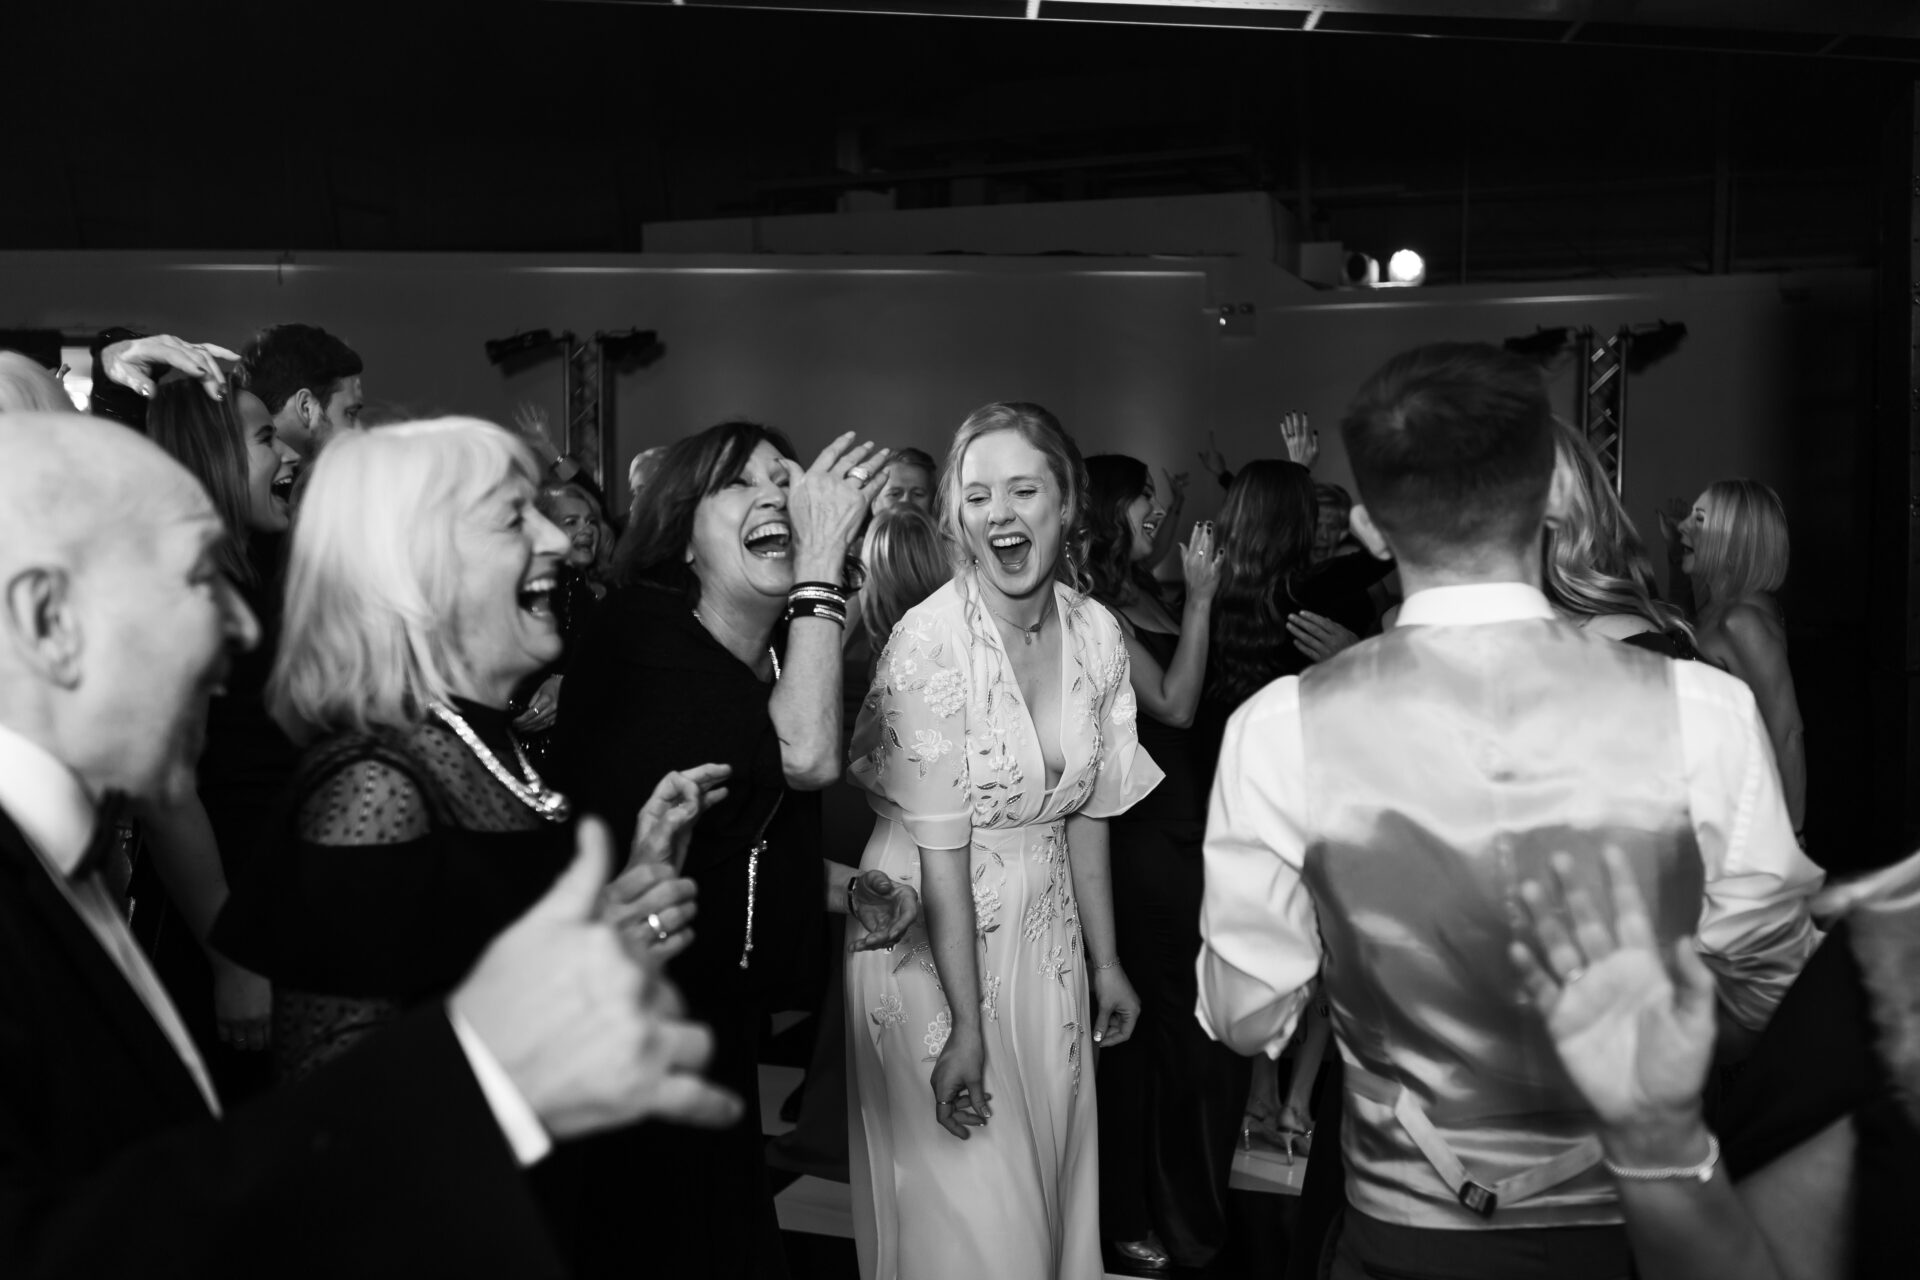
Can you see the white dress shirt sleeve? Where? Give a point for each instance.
(1756, 932)
(1259, 937)
(511, 1110)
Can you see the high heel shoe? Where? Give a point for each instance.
(1144, 1254)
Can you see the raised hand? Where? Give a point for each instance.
(1636, 1041)
(1176, 487)
(827, 502)
(530, 420)
(1318, 637)
(885, 908)
(1200, 564)
(665, 826)
(131, 363)
(1301, 440)
(1212, 459)
(1116, 1007)
(960, 1097)
(591, 1038)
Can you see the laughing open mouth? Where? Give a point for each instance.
(536, 595)
(282, 487)
(770, 541)
(1010, 549)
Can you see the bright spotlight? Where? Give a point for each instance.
(1406, 267)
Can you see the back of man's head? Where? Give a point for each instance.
(289, 358)
(1452, 449)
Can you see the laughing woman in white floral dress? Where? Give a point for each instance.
(997, 739)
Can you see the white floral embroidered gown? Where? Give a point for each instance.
(946, 748)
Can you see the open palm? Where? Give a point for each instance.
(1636, 1040)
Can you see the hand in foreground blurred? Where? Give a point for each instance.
(1635, 1034)
(591, 1038)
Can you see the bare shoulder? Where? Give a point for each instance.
(1753, 622)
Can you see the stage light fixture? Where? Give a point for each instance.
(628, 345)
(1359, 271)
(1653, 343)
(1406, 267)
(520, 345)
(1544, 345)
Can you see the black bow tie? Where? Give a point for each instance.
(106, 837)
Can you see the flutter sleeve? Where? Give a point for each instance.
(1127, 772)
(910, 742)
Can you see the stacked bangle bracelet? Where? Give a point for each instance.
(1701, 1172)
(817, 600)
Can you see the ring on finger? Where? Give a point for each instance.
(660, 931)
(1573, 975)
(859, 475)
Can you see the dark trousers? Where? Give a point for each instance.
(1171, 1100)
(1370, 1249)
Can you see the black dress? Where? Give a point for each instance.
(400, 858)
(649, 691)
(1172, 1099)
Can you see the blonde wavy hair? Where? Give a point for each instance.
(905, 564)
(1043, 431)
(1743, 545)
(370, 639)
(1595, 563)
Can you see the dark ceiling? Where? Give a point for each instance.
(566, 127)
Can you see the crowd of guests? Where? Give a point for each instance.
(512, 825)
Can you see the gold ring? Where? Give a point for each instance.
(859, 475)
(660, 933)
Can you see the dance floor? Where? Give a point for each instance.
(816, 1216)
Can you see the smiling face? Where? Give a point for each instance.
(742, 546)
(1144, 515)
(574, 515)
(905, 485)
(271, 467)
(508, 555)
(1012, 513)
(1691, 530)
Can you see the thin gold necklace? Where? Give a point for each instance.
(1027, 634)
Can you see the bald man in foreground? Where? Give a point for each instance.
(406, 1155)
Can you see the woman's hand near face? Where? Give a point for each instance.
(652, 908)
(826, 504)
(1200, 564)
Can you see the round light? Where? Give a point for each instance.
(1406, 267)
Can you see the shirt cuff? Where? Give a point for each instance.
(511, 1110)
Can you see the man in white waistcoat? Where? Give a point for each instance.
(1372, 822)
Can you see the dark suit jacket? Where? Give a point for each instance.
(387, 1162)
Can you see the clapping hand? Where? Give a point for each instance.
(543, 708)
(885, 908)
(131, 362)
(1200, 564)
(1317, 637)
(827, 502)
(666, 820)
(1636, 1041)
(1301, 440)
